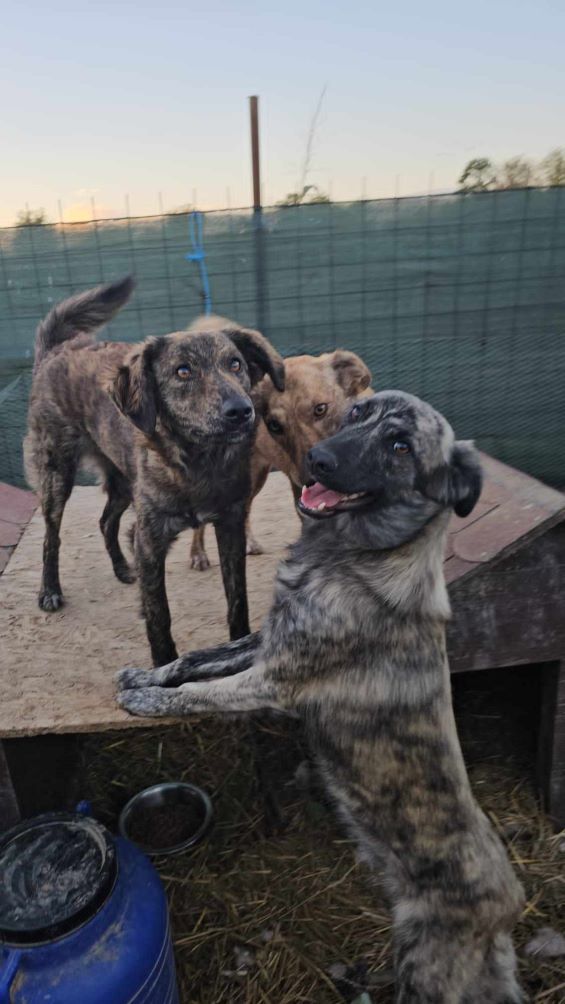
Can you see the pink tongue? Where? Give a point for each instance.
(312, 497)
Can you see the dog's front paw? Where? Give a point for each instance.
(50, 600)
(133, 679)
(152, 702)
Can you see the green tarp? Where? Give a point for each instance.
(459, 299)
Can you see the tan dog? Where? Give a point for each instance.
(317, 391)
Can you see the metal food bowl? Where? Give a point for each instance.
(160, 796)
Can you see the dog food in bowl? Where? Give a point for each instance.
(167, 818)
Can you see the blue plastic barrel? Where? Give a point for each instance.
(83, 918)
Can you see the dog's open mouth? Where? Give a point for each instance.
(317, 500)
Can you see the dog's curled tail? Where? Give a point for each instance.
(80, 315)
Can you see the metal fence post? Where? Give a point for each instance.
(258, 222)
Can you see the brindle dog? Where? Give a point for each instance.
(169, 421)
(355, 644)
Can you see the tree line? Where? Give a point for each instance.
(482, 175)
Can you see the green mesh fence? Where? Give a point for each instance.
(13, 407)
(459, 299)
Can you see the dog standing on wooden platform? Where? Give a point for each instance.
(355, 645)
(169, 422)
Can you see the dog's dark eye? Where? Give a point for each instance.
(184, 371)
(235, 365)
(320, 409)
(274, 426)
(355, 412)
(401, 448)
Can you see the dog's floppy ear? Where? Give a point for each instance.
(259, 355)
(134, 390)
(459, 483)
(466, 478)
(351, 372)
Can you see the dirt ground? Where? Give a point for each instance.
(266, 919)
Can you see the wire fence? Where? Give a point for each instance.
(459, 299)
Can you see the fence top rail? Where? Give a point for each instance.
(431, 196)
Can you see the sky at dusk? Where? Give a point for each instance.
(104, 100)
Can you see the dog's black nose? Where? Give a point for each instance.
(321, 461)
(236, 411)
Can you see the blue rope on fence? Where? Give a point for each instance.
(199, 255)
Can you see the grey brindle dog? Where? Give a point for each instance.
(169, 422)
(355, 645)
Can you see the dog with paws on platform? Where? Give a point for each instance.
(354, 644)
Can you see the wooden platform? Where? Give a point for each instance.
(512, 511)
(57, 669)
(505, 565)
